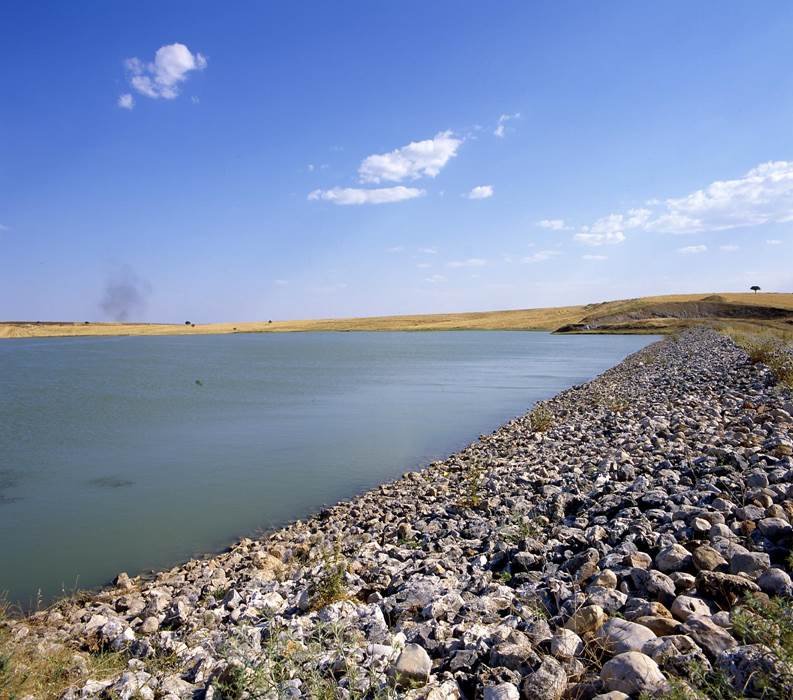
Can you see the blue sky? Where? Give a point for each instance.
(292, 160)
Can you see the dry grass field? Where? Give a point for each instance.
(656, 314)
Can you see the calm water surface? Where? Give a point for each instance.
(136, 453)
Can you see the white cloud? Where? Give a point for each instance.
(355, 195)
(418, 159)
(502, 121)
(692, 249)
(435, 279)
(126, 101)
(610, 230)
(470, 262)
(162, 76)
(594, 257)
(395, 249)
(773, 241)
(428, 251)
(423, 266)
(553, 224)
(540, 256)
(280, 283)
(481, 192)
(729, 248)
(763, 195)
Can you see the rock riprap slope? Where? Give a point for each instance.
(627, 533)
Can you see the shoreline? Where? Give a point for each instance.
(655, 314)
(497, 567)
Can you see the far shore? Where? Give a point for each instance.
(658, 314)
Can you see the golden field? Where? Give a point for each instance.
(641, 315)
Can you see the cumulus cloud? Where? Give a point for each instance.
(553, 224)
(764, 195)
(162, 76)
(540, 256)
(356, 195)
(418, 159)
(126, 101)
(501, 127)
(470, 262)
(692, 249)
(609, 230)
(594, 257)
(481, 192)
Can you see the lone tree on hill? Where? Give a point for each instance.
(755, 288)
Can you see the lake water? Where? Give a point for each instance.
(128, 454)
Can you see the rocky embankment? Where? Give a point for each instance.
(603, 545)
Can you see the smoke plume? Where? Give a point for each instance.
(125, 295)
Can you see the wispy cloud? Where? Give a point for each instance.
(728, 248)
(280, 283)
(692, 249)
(355, 195)
(540, 256)
(423, 265)
(553, 224)
(418, 159)
(773, 241)
(594, 257)
(428, 251)
(162, 76)
(481, 192)
(395, 249)
(126, 101)
(470, 262)
(501, 127)
(435, 279)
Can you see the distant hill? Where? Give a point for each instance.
(658, 314)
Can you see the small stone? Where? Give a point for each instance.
(632, 673)
(123, 581)
(503, 691)
(775, 582)
(751, 564)
(618, 636)
(548, 682)
(725, 589)
(661, 626)
(586, 620)
(706, 558)
(605, 579)
(712, 638)
(149, 626)
(686, 605)
(565, 644)
(675, 557)
(413, 666)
